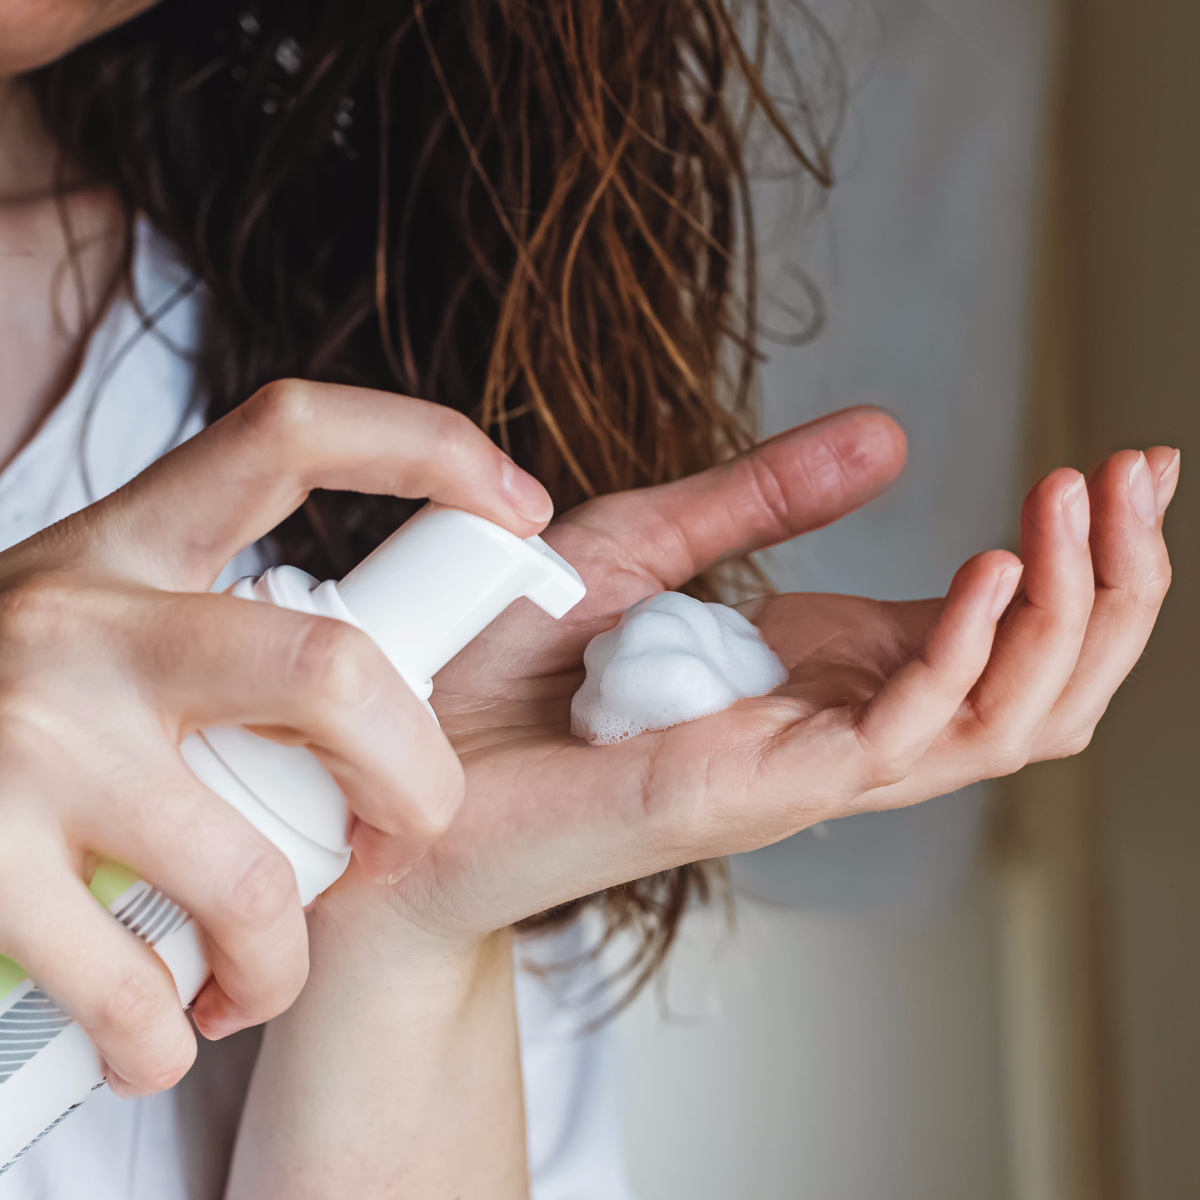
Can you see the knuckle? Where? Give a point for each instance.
(1157, 586)
(335, 663)
(451, 426)
(455, 437)
(883, 765)
(35, 610)
(1074, 743)
(831, 468)
(133, 1006)
(1006, 758)
(1065, 615)
(281, 413)
(894, 770)
(887, 770)
(165, 1069)
(262, 889)
(272, 992)
(273, 986)
(770, 494)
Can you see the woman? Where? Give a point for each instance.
(528, 215)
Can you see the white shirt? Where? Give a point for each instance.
(127, 406)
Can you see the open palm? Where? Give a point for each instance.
(885, 705)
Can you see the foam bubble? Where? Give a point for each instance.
(670, 659)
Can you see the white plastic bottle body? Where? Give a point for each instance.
(421, 596)
(48, 1066)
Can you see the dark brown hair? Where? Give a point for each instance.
(534, 211)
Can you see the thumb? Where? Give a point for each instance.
(191, 511)
(790, 484)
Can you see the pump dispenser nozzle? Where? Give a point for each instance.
(441, 578)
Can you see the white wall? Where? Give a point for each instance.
(820, 1058)
(829, 1053)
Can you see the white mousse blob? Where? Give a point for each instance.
(670, 659)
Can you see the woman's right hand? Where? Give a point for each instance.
(112, 650)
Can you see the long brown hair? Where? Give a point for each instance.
(534, 211)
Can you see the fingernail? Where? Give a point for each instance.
(1141, 491)
(529, 498)
(1006, 588)
(215, 1025)
(218, 1031)
(1164, 490)
(1077, 510)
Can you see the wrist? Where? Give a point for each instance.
(358, 931)
(400, 1060)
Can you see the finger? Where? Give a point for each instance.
(1129, 494)
(237, 886)
(908, 713)
(1038, 643)
(190, 512)
(787, 485)
(823, 619)
(318, 683)
(110, 982)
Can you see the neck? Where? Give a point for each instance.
(61, 252)
(28, 156)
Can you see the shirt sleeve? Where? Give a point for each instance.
(572, 1071)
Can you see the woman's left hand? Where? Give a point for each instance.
(886, 704)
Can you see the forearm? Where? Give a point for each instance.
(396, 1074)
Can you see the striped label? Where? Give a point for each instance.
(145, 911)
(30, 1019)
(52, 1126)
(30, 1023)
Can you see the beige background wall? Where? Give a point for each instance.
(1135, 138)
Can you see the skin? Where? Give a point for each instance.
(40, 343)
(35, 32)
(396, 1073)
(886, 705)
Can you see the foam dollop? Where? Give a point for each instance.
(670, 659)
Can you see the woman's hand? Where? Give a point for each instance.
(886, 704)
(112, 651)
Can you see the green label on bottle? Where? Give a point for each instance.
(11, 976)
(110, 882)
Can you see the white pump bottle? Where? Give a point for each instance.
(421, 596)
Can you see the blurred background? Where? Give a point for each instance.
(994, 995)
